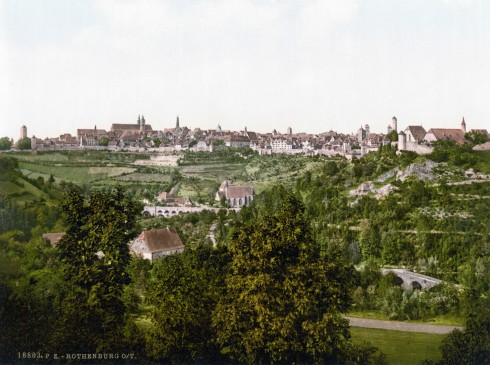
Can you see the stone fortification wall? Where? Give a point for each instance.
(421, 149)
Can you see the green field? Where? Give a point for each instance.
(200, 173)
(77, 174)
(218, 172)
(401, 348)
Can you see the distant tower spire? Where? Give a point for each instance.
(463, 126)
(177, 124)
(142, 125)
(139, 120)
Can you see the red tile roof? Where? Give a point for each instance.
(456, 135)
(157, 240)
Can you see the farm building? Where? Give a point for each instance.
(156, 243)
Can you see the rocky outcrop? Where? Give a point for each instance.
(422, 171)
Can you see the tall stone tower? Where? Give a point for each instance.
(23, 132)
(394, 123)
(142, 124)
(290, 130)
(366, 127)
(177, 123)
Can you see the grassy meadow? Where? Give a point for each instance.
(401, 348)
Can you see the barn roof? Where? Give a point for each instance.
(157, 240)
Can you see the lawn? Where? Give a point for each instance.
(401, 348)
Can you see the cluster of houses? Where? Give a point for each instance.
(141, 135)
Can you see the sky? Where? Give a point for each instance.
(312, 65)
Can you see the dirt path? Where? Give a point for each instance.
(401, 326)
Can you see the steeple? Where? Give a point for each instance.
(177, 124)
(139, 120)
(463, 126)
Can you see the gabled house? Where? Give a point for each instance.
(415, 133)
(169, 200)
(441, 134)
(156, 243)
(237, 141)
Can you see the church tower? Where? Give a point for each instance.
(177, 123)
(142, 124)
(463, 126)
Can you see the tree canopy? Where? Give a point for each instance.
(5, 144)
(94, 255)
(284, 301)
(24, 143)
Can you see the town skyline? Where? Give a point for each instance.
(28, 133)
(310, 65)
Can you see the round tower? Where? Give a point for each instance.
(23, 132)
(402, 141)
(394, 123)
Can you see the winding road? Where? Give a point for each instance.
(401, 326)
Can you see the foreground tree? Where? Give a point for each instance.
(182, 296)
(283, 302)
(94, 255)
(471, 346)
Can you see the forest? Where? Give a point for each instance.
(284, 273)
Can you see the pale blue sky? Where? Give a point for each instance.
(312, 65)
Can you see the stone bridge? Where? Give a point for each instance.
(412, 280)
(169, 211)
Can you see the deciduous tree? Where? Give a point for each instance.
(283, 301)
(94, 255)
